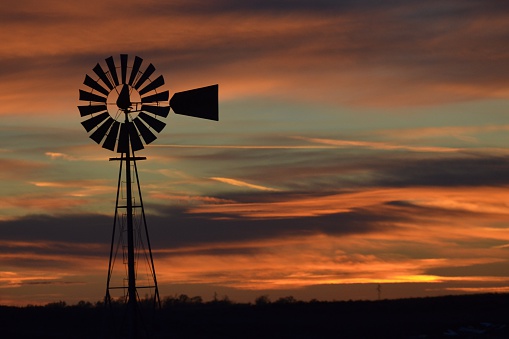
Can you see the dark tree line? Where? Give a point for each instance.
(182, 316)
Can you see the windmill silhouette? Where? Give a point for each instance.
(123, 114)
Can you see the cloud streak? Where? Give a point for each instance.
(239, 183)
(380, 145)
(455, 199)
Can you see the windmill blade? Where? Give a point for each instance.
(101, 131)
(163, 96)
(152, 122)
(90, 109)
(123, 67)
(153, 85)
(94, 85)
(136, 68)
(123, 141)
(100, 73)
(199, 103)
(136, 143)
(87, 96)
(161, 111)
(111, 138)
(148, 72)
(113, 70)
(145, 132)
(94, 121)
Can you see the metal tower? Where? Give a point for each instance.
(130, 237)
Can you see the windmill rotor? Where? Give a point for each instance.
(124, 103)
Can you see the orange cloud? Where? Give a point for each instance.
(463, 133)
(300, 262)
(245, 146)
(48, 203)
(12, 276)
(188, 199)
(484, 289)
(80, 188)
(235, 182)
(476, 199)
(57, 155)
(381, 145)
(19, 169)
(317, 56)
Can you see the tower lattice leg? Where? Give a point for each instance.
(130, 241)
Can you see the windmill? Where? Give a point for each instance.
(123, 112)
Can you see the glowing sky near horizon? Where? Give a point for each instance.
(359, 143)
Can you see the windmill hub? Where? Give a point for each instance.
(116, 107)
(124, 98)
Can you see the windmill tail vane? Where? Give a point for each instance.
(123, 109)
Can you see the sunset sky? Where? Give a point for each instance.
(358, 143)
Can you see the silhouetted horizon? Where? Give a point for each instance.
(436, 317)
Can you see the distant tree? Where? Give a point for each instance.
(286, 300)
(169, 301)
(262, 300)
(183, 299)
(84, 304)
(196, 300)
(226, 300)
(58, 304)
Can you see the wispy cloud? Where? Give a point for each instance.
(239, 183)
(465, 199)
(18, 169)
(78, 188)
(260, 147)
(379, 145)
(40, 203)
(188, 199)
(57, 155)
(463, 133)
